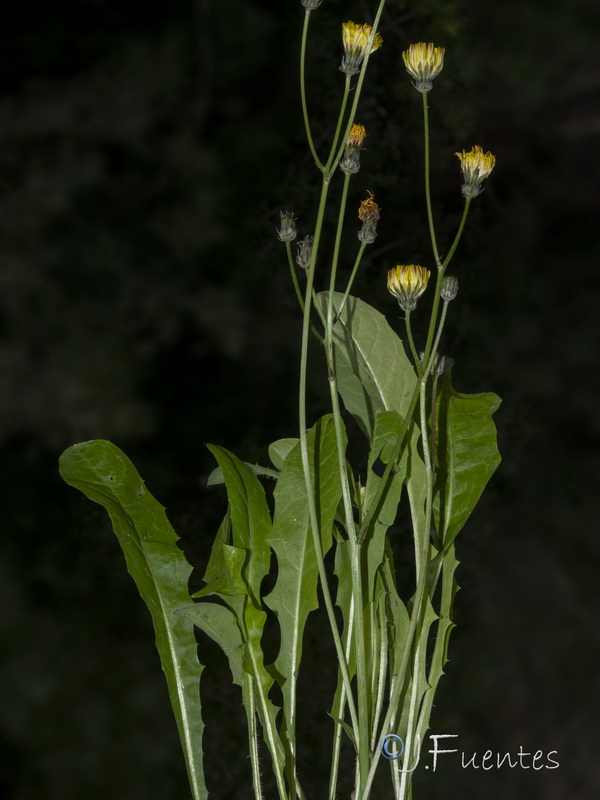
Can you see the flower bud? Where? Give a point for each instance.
(287, 232)
(476, 167)
(311, 4)
(356, 43)
(407, 283)
(350, 161)
(304, 252)
(423, 62)
(368, 213)
(449, 288)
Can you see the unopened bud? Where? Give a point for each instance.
(304, 252)
(449, 288)
(287, 232)
(311, 4)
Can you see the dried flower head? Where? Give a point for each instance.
(368, 214)
(368, 209)
(304, 252)
(287, 232)
(350, 161)
(423, 62)
(476, 167)
(356, 43)
(407, 283)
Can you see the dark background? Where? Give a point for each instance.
(145, 152)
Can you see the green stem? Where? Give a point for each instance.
(411, 342)
(288, 247)
(327, 168)
(383, 663)
(437, 340)
(458, 233)
(310, 492)
(248, 691)
(303, 91)
(427, 181)
(420, 594)
(338, 711)
(361, 250)
(362, 740)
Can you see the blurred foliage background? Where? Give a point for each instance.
(145, 152)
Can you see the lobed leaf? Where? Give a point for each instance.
(104, 474)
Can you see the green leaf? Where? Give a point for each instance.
(250, 518)
(295, 593)
(396, 612)
(467, 456)
(251, 529)
(373, 371)
(216, 477)
(388, 427)
(220, 624)
(279, 451)
(104, 474)
(224, 572)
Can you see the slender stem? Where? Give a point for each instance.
(434, 384)
(411, 342)
(288, 247)
(458, 233)
(383, 662)
(303, 91)
(327, 170)
(248, 691)
(362, 741)
(433, 320)
(427, 181)
(336, 247)
(269, 731)
(420, 594)
(436, 343)
(421, 643)
(308, 481)
(374, 507)
(338, 711)
(361, 250)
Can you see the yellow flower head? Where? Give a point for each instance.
(423, 62)
(368, 209)
(356, 137)
(407, 283)
(356, 43)
(476, 167)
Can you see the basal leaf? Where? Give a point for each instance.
(216, 477)
(220, 624)
(467, 456)
(250, 517)
(295, 593)
(104, 474)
